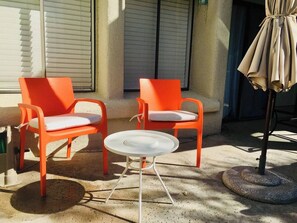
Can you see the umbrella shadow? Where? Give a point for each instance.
(287, 170)
(259, 209)
(61, 195)
(248, 136)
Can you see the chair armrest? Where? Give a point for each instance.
(141, 104)
(198, 103)
(26, 116)
(142, 108)
(195, 101)
(98, 102)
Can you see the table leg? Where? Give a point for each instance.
(124, 172)
(140, 191)
(165, 188)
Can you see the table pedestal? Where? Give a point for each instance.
(140, 169)
(140, 144)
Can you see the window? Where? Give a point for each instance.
(20, 41)
(157, 40)
(46, 38)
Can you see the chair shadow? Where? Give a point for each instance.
(61, 195)
(85, 164)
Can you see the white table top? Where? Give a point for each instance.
(141, 143)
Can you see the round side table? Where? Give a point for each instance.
(141, 144)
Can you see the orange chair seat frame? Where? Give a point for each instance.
(42, 97)
(165, 95)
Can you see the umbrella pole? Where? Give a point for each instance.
(262, 159)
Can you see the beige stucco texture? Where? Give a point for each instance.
(210, 41)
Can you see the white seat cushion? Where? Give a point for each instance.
(59, 122)
(174, 115)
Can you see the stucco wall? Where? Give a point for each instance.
(208, 66)
(210, 45)
(110, 48)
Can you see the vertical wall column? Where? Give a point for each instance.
(110, 48)
(210, 45)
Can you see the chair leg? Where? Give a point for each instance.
(105, 160)
(22, 147)
(42, 167)
(199, 146)
(143, 160)
(69, 143)
(175, 133)
(104, 155)
(138, 125)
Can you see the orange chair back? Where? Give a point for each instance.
(54, 95)
(161, 94)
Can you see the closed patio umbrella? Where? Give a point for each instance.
(269, 64)
(271, 60)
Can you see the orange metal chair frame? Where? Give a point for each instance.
(165, 94)
(43, 97)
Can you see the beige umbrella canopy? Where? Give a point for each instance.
(271, 60)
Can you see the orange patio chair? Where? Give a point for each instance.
(160, 107)
(48, 109)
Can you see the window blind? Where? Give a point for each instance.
(68, 41)
(174, 40)
(140, 41)
(20, 48)
(157, 48)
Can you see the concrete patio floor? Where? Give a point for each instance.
(76, 187)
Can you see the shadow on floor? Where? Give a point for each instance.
(247, 136)
(27, 199)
